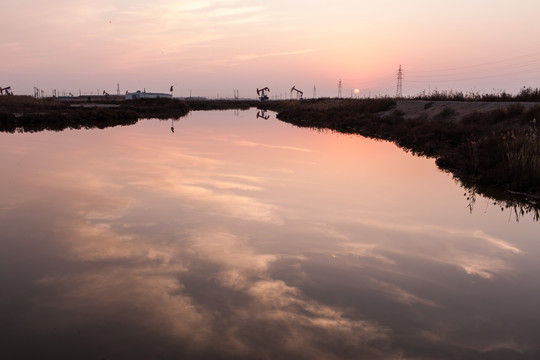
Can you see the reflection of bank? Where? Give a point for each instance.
(262, 114)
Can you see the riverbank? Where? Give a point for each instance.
(27, 114)
(492, 148)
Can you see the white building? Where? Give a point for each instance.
(146, 95)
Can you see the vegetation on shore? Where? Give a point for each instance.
(27, 114)
(496, 152)
(526, 94)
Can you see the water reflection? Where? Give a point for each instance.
(263, 114)
(57, 121)
(172, 124)
(248, 240)
(517, 208)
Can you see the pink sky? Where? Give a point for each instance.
(213, 47)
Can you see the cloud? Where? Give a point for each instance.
(246, 57)
(402, 296)
(501, 244)
(255, 144)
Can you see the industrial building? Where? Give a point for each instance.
(146, 95)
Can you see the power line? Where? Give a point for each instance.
(466, 77)
(508, 61)
(518, 68)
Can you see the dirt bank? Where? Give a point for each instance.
(460, 109)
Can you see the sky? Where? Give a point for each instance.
(213, 47)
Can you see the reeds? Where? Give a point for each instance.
(526, 94)
(522, 150)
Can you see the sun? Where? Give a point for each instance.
(356, 91)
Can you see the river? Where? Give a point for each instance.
(223, 235)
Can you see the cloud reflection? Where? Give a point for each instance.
(301, 324)
(402, 296)
(155, 279)
(254, 144)
(202, 250)
(476, 252)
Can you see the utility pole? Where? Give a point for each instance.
(399, 87)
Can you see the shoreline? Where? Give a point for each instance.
(491, 147)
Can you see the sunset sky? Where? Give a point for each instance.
(213, 47)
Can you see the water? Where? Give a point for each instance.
(235, 237)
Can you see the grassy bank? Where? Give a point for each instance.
(27, 114)
(494, 152)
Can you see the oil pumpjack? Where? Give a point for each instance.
(262, 93)
(7, 90)
(299, 93)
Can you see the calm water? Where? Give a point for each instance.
(235, 237)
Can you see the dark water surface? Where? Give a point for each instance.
(243, 238)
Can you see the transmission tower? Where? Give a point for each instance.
(314, 91)
(399, 77)
(339, 89)
(118, 89)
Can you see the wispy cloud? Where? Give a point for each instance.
(500, 243)
(401, 295)
(246, 57)
(283, 147)
(474, 251)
